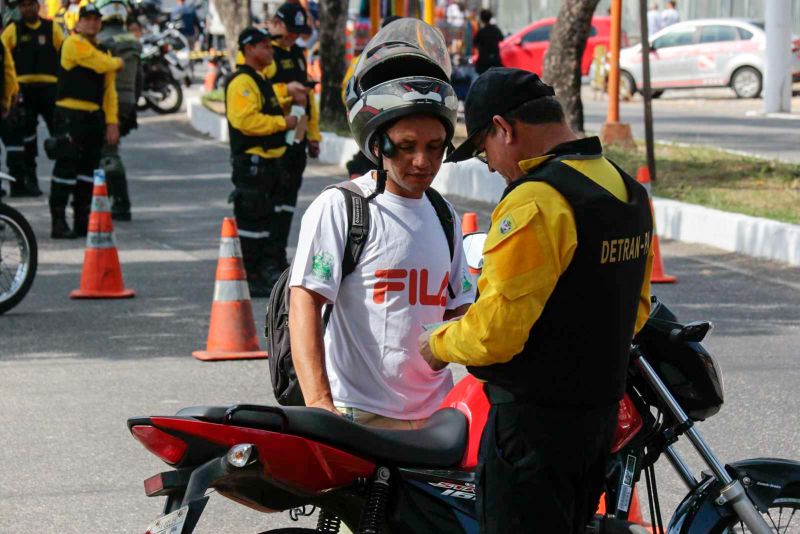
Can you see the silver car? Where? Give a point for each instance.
(703, 53)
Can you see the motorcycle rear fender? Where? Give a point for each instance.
(769, 477)
(300, 465)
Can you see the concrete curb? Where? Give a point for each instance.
(754, 236)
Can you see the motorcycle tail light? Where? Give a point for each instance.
(164, 48)
(165, 446)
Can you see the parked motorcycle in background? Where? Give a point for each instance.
(272, 458)
(161, 90)
(18, 254)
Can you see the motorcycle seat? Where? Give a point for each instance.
(440, 443)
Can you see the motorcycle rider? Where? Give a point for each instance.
(257, 127)
(115, 38)
(34, 42)
(85, 118)
(365, 363)
(291, 21)
(565, 284)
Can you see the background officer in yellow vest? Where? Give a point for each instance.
(291, 21)
(8, 87)
(85, 118)
(257, 130)
(34, 42)
(550, 333)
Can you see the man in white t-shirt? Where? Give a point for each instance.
(365, 364)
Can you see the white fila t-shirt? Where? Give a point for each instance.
(399, 284)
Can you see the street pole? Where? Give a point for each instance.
(374, 16)
(427, 14)
(613, 131)
(778, 76)
(646, 91)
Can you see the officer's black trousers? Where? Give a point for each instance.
(260, 183)
(294, 161)
(542, 469)
(73, 171)
(38, 100)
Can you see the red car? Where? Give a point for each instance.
(526, 48)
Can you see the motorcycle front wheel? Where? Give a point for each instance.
(168, 98)
(783, 515)
(18, 257)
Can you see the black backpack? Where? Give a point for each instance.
(284, 379)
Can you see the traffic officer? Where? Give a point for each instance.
(257, 131)
(9, 87)
(34, 42)
(291, 21)
(115, 38)
(85, 118)
(565, 284)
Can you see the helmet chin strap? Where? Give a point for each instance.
(382, 177)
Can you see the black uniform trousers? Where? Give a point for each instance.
(20, 138)
(541, 469)
(261, 185)
(294, 161)
(73, 172)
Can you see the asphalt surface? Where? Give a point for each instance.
(72, 372)
(711, 117)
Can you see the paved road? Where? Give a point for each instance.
(71, 372)
(712, 117)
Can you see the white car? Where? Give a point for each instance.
(704, 53)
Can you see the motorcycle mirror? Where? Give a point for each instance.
(694, 332)
(473, 249)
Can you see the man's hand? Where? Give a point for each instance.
(424, 345)
(291, 122)
(313, 149)
(298, 92)
(112, 134)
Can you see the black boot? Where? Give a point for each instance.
(60, 228)
(18, 188)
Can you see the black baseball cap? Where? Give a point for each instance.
(89, 10)
(295, 18)
(252, 36)
(495, 92)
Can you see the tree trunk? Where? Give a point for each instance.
(562, 64)
(235, 16)
(333, 19)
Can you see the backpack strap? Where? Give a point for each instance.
(358, 223)
(446, 220)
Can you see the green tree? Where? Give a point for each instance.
(332, 37)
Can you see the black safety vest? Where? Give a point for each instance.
(80, 82)
(577, 351)
(35, 52)
(241, 142)
(290, 66)
(2, 71)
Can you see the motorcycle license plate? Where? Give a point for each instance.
(170, 523)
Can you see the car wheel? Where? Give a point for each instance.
(627, 85)
(746, 82)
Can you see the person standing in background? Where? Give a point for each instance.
(487, 41)
(670, 15)
(653, 19)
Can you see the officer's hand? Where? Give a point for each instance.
(291, 122)
(424, 345)
(112, 134)
(298, 92)
(121, 63)
(313, 149)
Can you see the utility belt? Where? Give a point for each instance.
(498, 395)
(71, 123)
(254, 173)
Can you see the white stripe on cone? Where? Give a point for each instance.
(100, 240)
(229, 247)
(231, 290)
(101, 204)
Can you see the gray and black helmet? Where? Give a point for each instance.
(404, 70)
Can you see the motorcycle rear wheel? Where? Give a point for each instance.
(18, 257)
(173, 97)
(783, 515)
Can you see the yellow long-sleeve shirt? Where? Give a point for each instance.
(313, 133)
(79, 51)
(10, 85)
(9, 38)
(243, 103)
(514, 287)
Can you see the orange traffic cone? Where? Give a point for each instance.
(102, 275)
(232, 333)
(658, 276)
(469, 223)
(211, 76)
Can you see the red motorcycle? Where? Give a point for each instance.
(273, 459)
